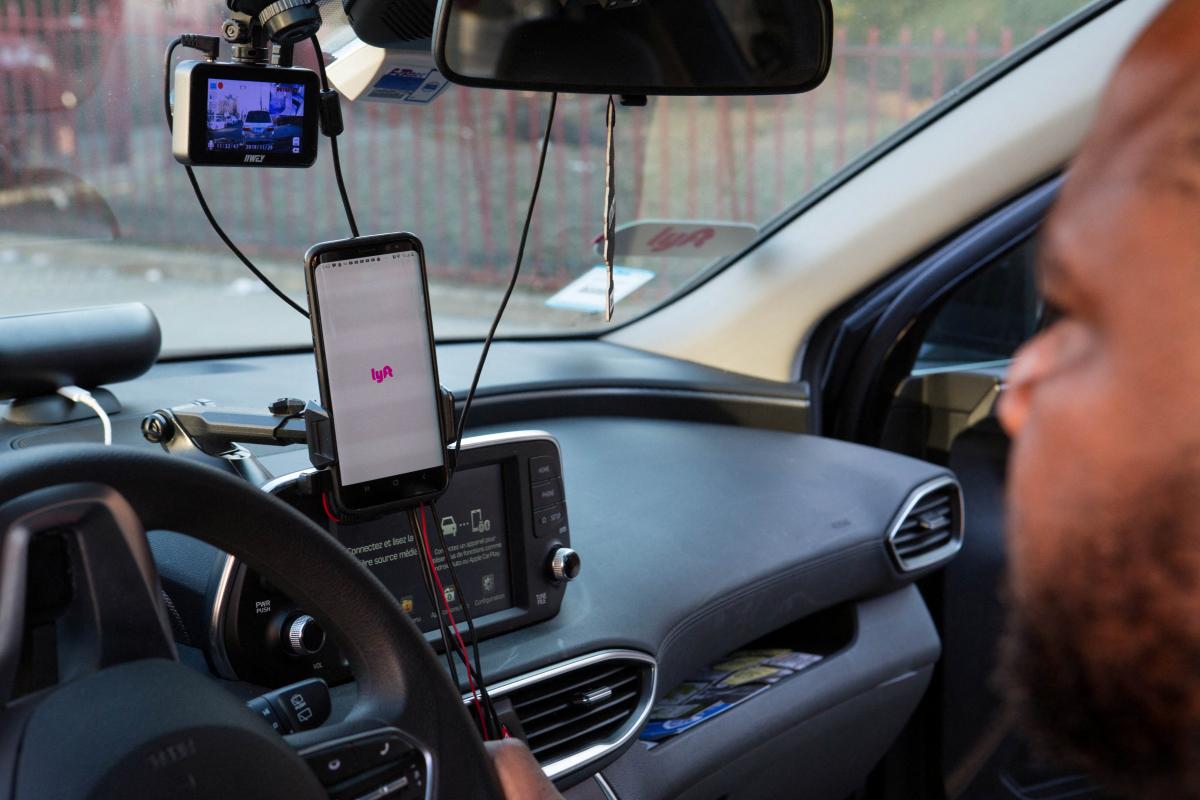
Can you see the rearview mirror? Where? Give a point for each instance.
(636, 47)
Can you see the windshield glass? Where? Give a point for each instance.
(94, 209)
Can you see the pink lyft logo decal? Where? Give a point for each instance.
(380, 375)
(700, 239)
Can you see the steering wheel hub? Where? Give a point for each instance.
(126, 718)
(155, 729)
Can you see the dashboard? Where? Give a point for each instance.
(503, 523)
(704, 521)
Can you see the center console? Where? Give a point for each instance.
(504, 523)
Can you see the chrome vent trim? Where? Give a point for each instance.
(615, 740)
(928, 531)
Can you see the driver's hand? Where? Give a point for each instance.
(520, 776)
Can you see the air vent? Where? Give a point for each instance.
(582, 710)
(929, 529)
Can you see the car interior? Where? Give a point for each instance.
(697, 320)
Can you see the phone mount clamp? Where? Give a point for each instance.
(206, 432)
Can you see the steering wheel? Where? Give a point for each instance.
(127, 719)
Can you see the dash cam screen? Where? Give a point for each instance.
(470, 517)
(379, 368)
(255, 116)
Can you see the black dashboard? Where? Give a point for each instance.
(705, 520)
(503, 523)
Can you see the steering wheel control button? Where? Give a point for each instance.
(334, 766)
(565, 565)
(542, 468)
(404, 781)
(305, 636)
(379, 752)
(370, 767)
(302, 706)
(550, 522)
(546, 493)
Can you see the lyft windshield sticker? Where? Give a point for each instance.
(681, 239)
(588, 291)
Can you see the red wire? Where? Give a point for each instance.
(325, 505)
(462, 647)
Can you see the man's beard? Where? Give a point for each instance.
(1103, 668)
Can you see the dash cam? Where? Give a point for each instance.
(233, 115)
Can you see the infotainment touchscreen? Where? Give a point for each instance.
(504, 520)
(471, 519)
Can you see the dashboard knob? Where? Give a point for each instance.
(157, 428)
(565, 564)
(305, 636)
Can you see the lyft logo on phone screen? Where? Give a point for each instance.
(373, 323)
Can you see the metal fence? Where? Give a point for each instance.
(81, 84)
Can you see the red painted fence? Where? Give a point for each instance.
(80, 83)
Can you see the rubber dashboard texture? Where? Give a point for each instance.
(698, 538)
(522, 380)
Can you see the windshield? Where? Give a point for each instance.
(95, 210)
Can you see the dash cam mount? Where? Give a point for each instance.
(284, 22)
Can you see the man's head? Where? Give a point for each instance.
(1103, 653)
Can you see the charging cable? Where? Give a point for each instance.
(473, 636)
(195, 41)
(331, 126)
(477, 693)
(84, 397)
(482, 693)
(512, 281)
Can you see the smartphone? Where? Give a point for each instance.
(373, 339)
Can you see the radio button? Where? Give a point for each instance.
(543, 468)
(546, 493)
(550, 522)
(564, 565)
(305, 636)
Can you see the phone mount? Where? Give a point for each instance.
(205, 431)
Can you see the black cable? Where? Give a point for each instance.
(462, 421)
(229, 243)
(167, 81)
(416, 520)
(431, 593)
(279, 426)
(489, 719)
(474, 638)
(333, 145)
(512, 282)
(200, 194)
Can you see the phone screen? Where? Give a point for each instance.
(379, 370)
